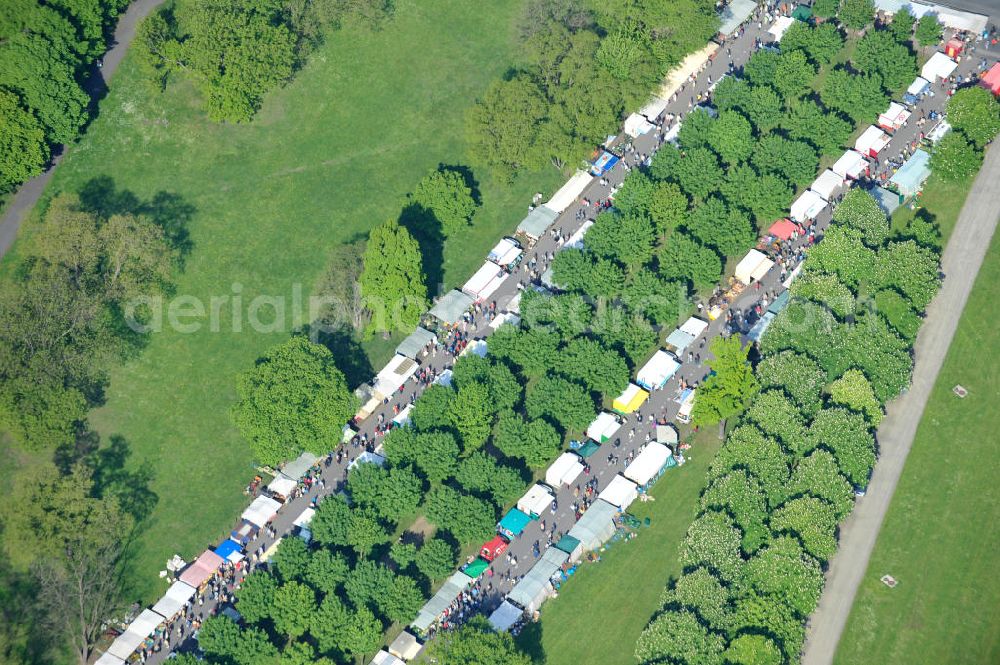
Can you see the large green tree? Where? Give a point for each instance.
(475, 643)
(729, 390)
(676, 636)
(503, 127)
(564, 401)
(684, 258)
(536, 441)
(445, 193)
(858, 96)
(393, 282)
(23, 151)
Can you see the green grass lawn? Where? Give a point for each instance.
(940, 535)
(602, 609)
(330, 156)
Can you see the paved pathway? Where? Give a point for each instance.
(960, 263)
(27, 196)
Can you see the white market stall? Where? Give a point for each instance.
(173, 601)
(575, 241)
(405, 646)
(851, 164)
(938, 67)
(536, 585)
(752, 267)
(506, 252)
(916, 90)
(136, 633)
(657, 370)
(109, 659)
(620, 492)
(781, 24)
(807, 206)
(299, 466)
(564, 470)
(603, 427)
(596, 526)
(872, 141)
(570, 192)
(636, 125)
(504, 617)
(539, 218)
(441, 600)
(485, 282)
(383, 657)
(647, 464)
(402, 418)
(394, 375)
(894, 117)
(281, 487)
(261, 511)
(827, 184)
(536, 501)
(631, 399)
(653, 109)
(305, 517)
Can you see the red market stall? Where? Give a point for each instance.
(201, 571)
(783, 229)
(954, 47)
(494, 548)
(991, 79)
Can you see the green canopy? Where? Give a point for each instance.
(476, 568)
(588, 449)
(802, 13)
(568, 544)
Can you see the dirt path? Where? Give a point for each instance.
(960, 264)
(29, 193)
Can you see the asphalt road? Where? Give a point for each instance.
(27, 195)
(960, 263)
(661, 402)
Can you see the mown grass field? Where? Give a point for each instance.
(330, 156)
(602, 609)
(939, 538)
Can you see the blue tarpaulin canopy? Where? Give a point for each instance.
(227, 547)
(514, 522)
(910, 178)
(603, 164)
(886, 200)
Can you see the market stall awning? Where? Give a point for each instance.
(261, 511)
(485, 281)
(939, 66)
(136, 633)
(450, 308)
(783, 229)
(538, 220)
(383, 657)
(281, 485)
(445, 596)
(224, 549)
(536, 501)
(564, 470)
(514, 522)
(109, 659)
(667, 434)
(176, 597)
(647, 463)
(300, 466)
(394, 375)
(909, 179)
(504, 617)
(575, 241)
(630, 400)
(653, 109)
(851, 164)
(918, 86)
(536, 584)
(871, 142)
(569, 193)
(752, 266)
(415, 342)
(476, 568)
(570, 545)
(657, 370)
(505, 252)
(636, 125)
(620, 492)
(405, 646)
(596, 526)
(734, 15)
(991, 79)
(677, 76)
(886, 199)
(202, 569)
(807, 206)
(781, 24)
(894, 117)
(603, 427)
(827, 184)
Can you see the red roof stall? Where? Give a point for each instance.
(783, 229)
(991, 79)
(202, 570)
(953, 47)
(494, 548)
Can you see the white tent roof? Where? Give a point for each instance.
(386, 658)
(677, 76)
(620, 492)
(487, 279)
(938, 67)
(850, 165)
(595, 526)
(109, 659)
(918, 86)
(807, 206)
(395, 374)
(734, 14)
(564, 470)
(694, 326)
(281, 485)
(753, 266)
(657, 370)
(938, 131)
(174, 599)
(305, 517)
(536, 501)
(504, 317)
(505, 616)
(653, 109)
(569, 192)
(143, 626)
(603, 427)
(827, 184)
(637, 125)
(505, 252)
(872, 140)
(781, 24)
(575, 241)
(405, 646)
(299, 466)
(535, 586)
(647, 463)
(895, 116)
(261, 511)
(666, 434)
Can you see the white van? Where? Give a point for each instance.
(687, 404)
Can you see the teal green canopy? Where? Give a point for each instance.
(476, 568)
(514, 522)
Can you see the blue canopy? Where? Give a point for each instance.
(886, 200)
(604, 163)
(910, 178)
(227, 547)
(514, 522)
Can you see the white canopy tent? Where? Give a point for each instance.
(136, 633)
(405, 646)
(505, 252)
(504, 617)
(595, 526)
(109, 659)
(536, 501)
(647, 463)
(872, 141)
(657, 370)
(383, 657)
(570, 192)
(575, 241)
(636, 125)
(281, 485)
(918, 86)
(505, 317)
(653, 109)
(603, 427)
(938, 131)
(564, 470)
(939, 66)
(807, 206)
(305, 517)
(946, 16)
(620, 492)
(827, 184)
(487, 279)
(394, 375)
(174, 600)
(261, 511)
(683, 337)
(851, 164)
(894, 117)
(781, 24)
(402, 418)
(536, 586)
(752, 266)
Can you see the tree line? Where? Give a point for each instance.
(46, 52)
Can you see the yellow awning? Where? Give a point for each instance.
(630, 400)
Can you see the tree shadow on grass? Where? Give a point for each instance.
(347, 351)
(425, 228)
(530, 641)
(167, 210)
